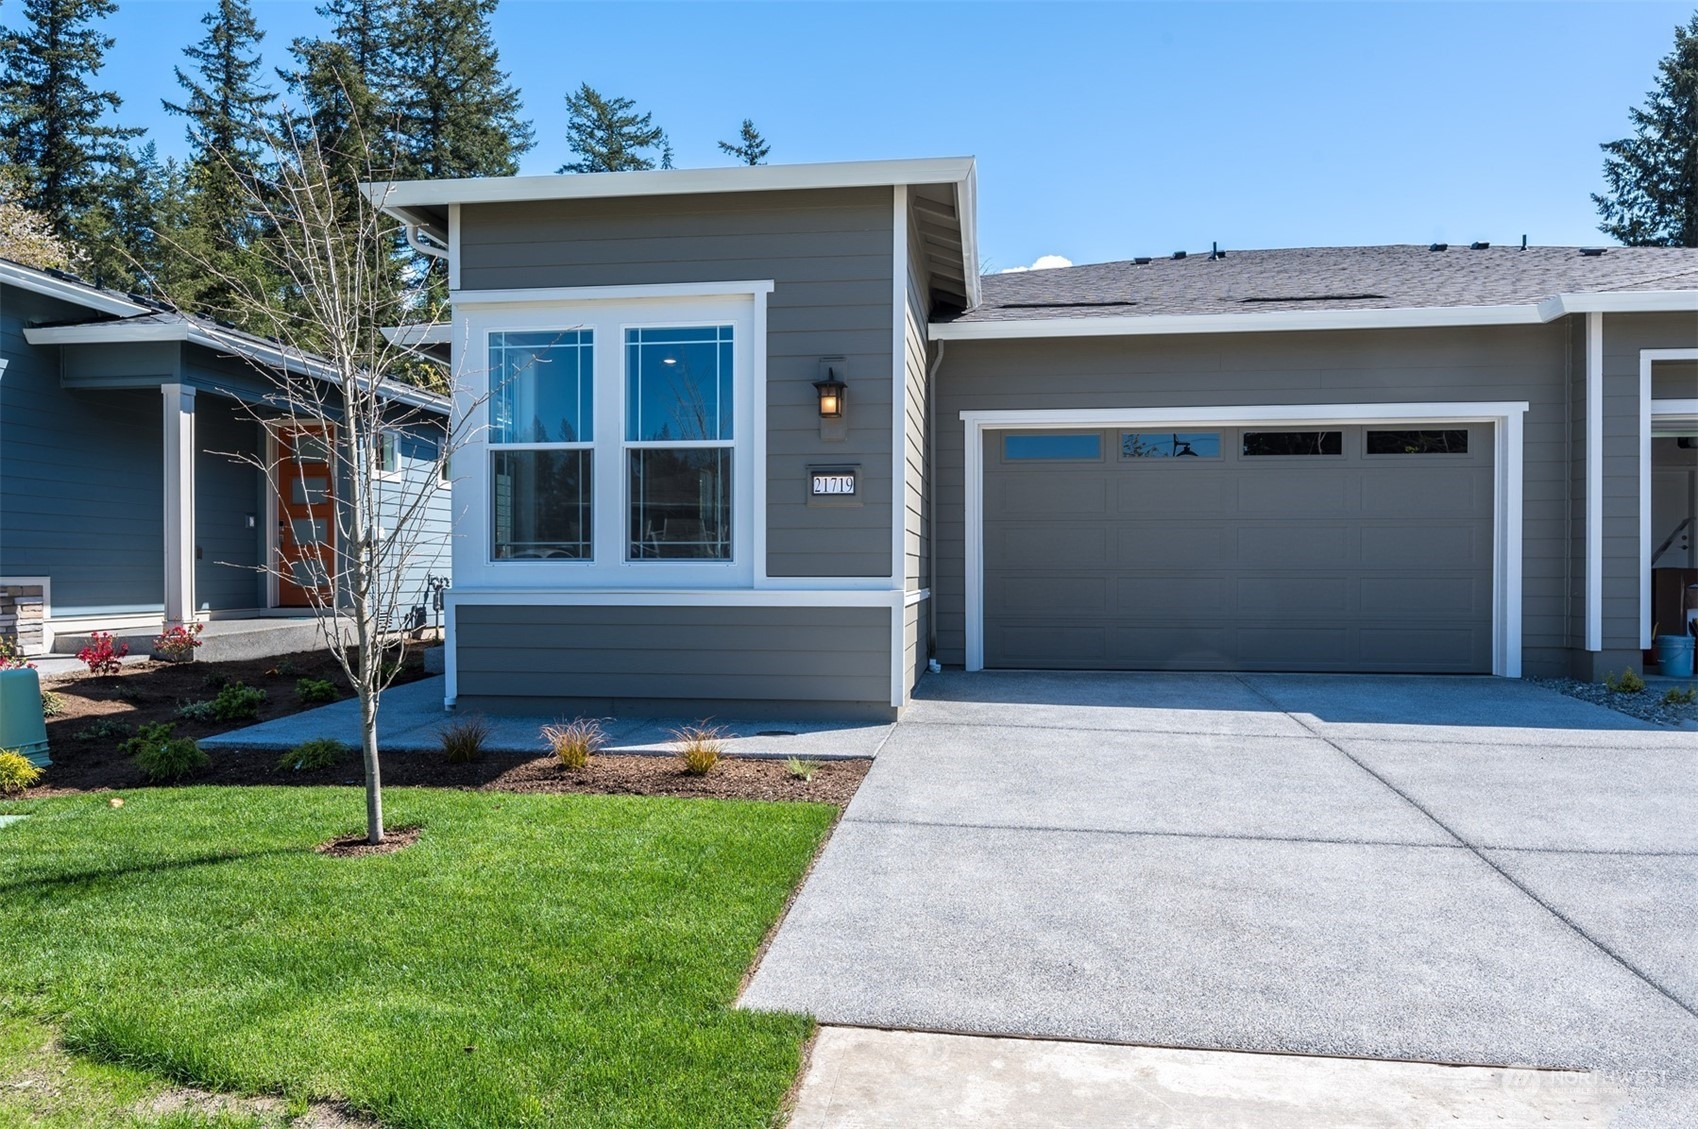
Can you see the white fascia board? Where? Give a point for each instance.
(1471, 411)
(967, 219)
(83, 295)
(1630, 302)
(397, 197)
(551, 295)
(1417, 317)
(440, 333)
(1271, 322)
(105, 333)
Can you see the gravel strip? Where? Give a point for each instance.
(1647, 705)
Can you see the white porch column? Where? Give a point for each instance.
(179, 503)
(1594, 482)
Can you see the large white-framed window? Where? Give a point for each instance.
(618, 442)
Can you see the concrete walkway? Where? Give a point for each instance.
(869, 1079)
(1444, 870)
(411, 718)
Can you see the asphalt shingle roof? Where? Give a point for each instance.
(1328, 278)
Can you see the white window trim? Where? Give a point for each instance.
(1505, 416)
(1650, 411)
(607, 312)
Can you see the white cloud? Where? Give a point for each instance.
(1043, 262)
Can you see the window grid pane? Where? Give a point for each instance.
(1298, 443)
(542, 387)
(1447, 442)
(1022, 446)
(1170, 444)
(678, 384)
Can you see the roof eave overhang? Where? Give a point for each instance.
(88, 297)
(1285, 321)
(105, 333)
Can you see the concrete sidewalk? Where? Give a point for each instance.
(411, 718)
(860, 1078)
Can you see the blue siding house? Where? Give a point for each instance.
(126, 503)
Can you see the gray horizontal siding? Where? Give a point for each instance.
(1514, 363)
(643, 653)
(829, 255)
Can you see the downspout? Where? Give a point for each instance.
(416, 240)
(931, 501)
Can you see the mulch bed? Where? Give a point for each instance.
(85, 761)
(102, 710)
(358, 846)
(734, 778)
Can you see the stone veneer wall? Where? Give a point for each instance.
(23, 608)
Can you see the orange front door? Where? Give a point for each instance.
(306, 518)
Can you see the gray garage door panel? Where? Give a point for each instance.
(1349, 562)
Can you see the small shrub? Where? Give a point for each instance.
(1627, 682)
(325, 752)
(462, 739)
(16, 772)
(700, 747)
(178, 644)
(284, 669)
(575, 741)
(197, 711)
(1686, 697)
(311, 690)
(105, 729)
(237, 702)
(215, 680)
(162, 757)
(100, 656)
(52, 703)
(800, 769)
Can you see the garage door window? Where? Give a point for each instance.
(1451, 442)
(1170, 445)
(1025, 446)
(1293, 443)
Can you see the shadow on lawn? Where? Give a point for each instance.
(93, 877)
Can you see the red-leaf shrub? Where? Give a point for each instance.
(178, 644)
(100, 656)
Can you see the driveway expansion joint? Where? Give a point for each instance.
(1479, 852)
(1209, 836)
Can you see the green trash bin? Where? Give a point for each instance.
(22, 726)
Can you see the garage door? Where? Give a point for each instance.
(1343, 549)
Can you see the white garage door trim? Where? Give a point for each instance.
(1505, 415)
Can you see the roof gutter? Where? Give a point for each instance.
(1285, 321)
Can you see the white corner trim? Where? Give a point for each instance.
(450, 654)
(555, 295)
(1504, 415)
(1649, 412)
(179, 479)
(453, 248)
(1278, 321)
(402, 195)
(899, 391)
(1594, 591)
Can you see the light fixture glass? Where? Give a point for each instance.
(831, 395)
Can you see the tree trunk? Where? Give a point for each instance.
(374, 783)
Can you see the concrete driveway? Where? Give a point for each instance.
(1451, 870)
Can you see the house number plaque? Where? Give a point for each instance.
(834, 485)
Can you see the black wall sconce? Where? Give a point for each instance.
(830, 392)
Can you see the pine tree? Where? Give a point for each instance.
(1653, 176)
(608, 134)
(750, 148)
(51, 126)
(227, 110)
(339, 80)
(455, 112)
(128, 232)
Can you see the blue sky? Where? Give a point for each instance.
(1102, 130)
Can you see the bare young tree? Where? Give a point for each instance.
(341, 393)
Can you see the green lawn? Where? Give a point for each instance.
(531, 961)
